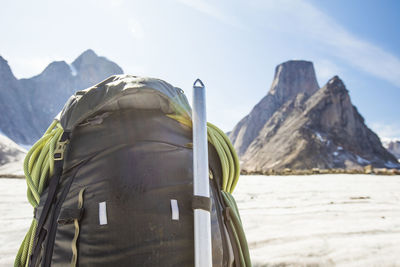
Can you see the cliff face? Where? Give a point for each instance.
(291, 79)
(33, 103)
(14, 109)
(312, 128)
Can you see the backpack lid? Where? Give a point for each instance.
(123, 92)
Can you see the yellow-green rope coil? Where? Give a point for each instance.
(230, 177)
(38, 167)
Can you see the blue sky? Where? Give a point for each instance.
(233, 46)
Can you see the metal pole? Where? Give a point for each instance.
(202, 219)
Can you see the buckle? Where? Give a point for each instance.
(59, 151)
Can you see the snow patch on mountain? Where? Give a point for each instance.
(74, 71)
(362, 161)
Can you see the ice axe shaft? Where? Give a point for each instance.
(202, 219)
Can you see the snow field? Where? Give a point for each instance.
(321, 220)
(318, 220)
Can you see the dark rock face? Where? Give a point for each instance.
(31, 104)
(14, 108)
(311, 128)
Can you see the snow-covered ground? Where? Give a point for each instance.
(15, 218)
(319, 220)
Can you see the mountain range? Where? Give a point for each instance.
(27, 106)
(299, 125)
(393, 146)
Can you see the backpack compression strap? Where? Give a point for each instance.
(54, 181)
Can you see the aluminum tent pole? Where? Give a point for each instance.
(202, 219)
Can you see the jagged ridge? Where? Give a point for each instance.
(29, 105)
(312, 128)
(291, 78)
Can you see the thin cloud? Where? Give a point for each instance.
(302, 19)
(298, 17)
(386, 131)
(212, 11)
(109, 3)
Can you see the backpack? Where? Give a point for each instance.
(111, 182)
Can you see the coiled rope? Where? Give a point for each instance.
(230, 177)
(226, 153)
(38, 167)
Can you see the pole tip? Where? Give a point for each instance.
(198, 83)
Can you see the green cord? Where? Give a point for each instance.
(38, 167)
(237, 227)
(230, 176)
(226, 153)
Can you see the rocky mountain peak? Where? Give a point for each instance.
(34, 102)
(336, 85)
(294, 80)
(335, 79)
(5, 70)
(294, 77)
(333, 101)
(55, 70)
(299, 126)
(88, 57)
(91, 69)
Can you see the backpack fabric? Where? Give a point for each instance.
(121, 189)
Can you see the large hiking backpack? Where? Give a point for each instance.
(111, 182)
